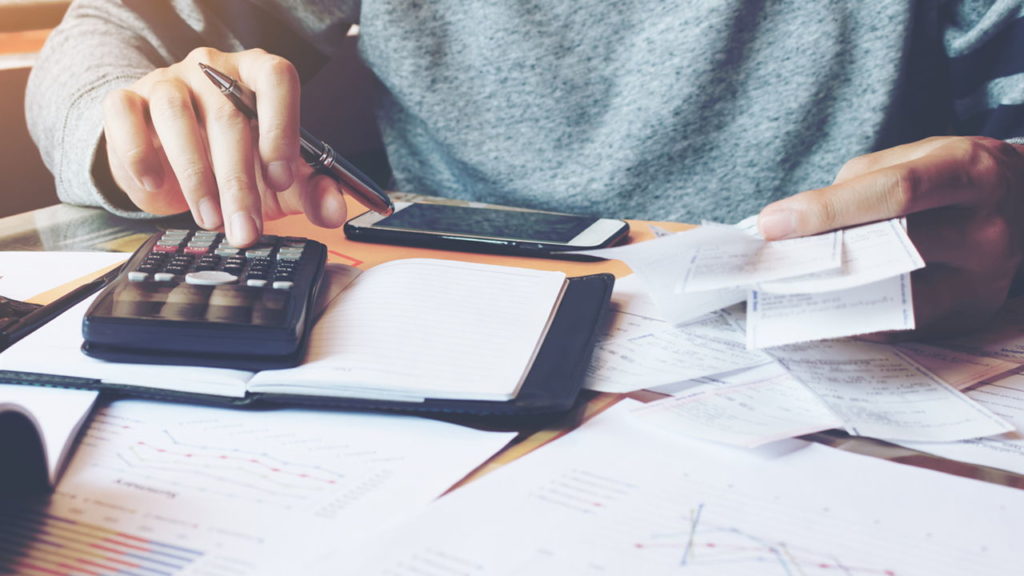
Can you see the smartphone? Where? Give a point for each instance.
(483, 229)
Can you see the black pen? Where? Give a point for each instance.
(314, 151)
(40, 316)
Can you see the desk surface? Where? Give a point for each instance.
(69, 228)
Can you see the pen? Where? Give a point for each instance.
(36, 318)
(314, 151)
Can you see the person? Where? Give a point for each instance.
(817, 115)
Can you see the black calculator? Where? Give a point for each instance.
(189, 297)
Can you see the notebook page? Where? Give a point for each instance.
(418, 328)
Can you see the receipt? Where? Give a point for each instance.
(638, 349)
(878, 392)
(777, 319)
(747, 409)
(871, 252)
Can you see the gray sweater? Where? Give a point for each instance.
(657, 109)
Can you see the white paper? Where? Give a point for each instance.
(464, 330)
(746, 260)
(871, 252)
(613, 498)
(668, 354)
(246, 492)
(661, 265)
(878, 392)
(839, 284)
(1005, 398)
(749, 408)
(27, 274)
(777, 319)
(57, 413)
(958, 369)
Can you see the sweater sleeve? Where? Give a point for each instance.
(102, 45)
(985, 45)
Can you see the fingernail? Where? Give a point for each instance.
(209, 214)
(777, 224)
(279, 175)
(243, 231)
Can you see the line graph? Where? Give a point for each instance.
(703, 544)
(236, 458)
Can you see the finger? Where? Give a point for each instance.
(173, 117)
(979, 242)
(229, 136)
(888, 157)
(324, 204)
(949, 302)
(130, 143)
(276, 84)
(960, 172)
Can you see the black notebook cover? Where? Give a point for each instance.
(550, 389)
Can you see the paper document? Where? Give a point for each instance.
(176, 489)
(638, 350)
(614, 498)
(958, 369)
(1005, 398)
(747, 408)
(779, 319)
(871, 252)
(27, 274)
(878, 392)
(745, 260)
(833, 285)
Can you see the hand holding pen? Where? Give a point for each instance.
(178, 139)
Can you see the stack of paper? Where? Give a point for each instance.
(842, 283)
(725, 393)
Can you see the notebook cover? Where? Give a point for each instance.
(550, 389)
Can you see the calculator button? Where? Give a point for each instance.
(283, 285)
(137, 276)
(165, 248)
(210, 278)
(163, 277)
(256, 282)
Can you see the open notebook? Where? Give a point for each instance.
(417, 333)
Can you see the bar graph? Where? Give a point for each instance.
(35, 542)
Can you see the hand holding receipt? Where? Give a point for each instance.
(317, 153)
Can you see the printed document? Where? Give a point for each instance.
(639, 349)
(878, 392)
(178, 489)
(833, 285)
(615, 498)
(1005, 398)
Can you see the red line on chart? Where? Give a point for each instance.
(246, 460)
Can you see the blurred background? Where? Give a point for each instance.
(24, 25)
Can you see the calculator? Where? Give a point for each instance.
(190, 297)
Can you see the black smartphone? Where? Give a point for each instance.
(483, 229)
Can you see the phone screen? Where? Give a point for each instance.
(465, 221)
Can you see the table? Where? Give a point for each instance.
(63, 227)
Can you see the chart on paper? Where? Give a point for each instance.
(236, 487)
(241, 461)
(611, 499)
